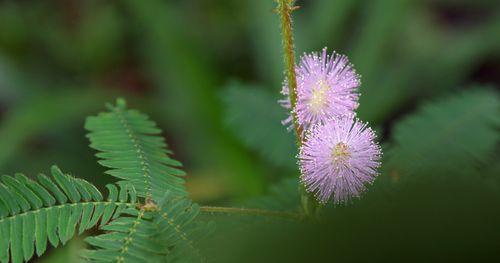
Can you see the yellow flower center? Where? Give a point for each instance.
(318, 97)
(340, 153)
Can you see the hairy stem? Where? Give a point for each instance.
(285, 8)
(251, 211)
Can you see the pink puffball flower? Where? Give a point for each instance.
(338, 159)
(326, 88)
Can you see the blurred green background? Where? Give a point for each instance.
(210, 71)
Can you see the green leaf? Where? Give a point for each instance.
(52, 215)
(76, 213)
(66, 185)
(169, 234)
(179, 229)
(4, 241)
(41, 232)
(129, 238)
(28, 235)
(109, 208)
(86, 216)
(24, 231)
(23, 190)
(452, 135)
(254, 116)
(129, 143)
(64, 214)
(16, 250)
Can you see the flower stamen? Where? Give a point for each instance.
(340, 154)
(318, 97)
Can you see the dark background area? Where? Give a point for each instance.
(209, 73)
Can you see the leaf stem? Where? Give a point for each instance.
(252, 211)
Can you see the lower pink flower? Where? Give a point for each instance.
(338, 159)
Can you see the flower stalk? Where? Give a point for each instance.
(285, 9)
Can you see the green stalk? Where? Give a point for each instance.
(285, 9)
(251, 211)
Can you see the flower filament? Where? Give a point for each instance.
(318, 97)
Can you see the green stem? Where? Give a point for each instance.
(252, 211)
(285, 8)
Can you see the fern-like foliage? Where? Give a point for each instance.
(244, 103)
(169, 233)
(129, 144)
(452, 135)
(133, 237)
(180, 229)
(33, 212)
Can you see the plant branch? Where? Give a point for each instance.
(252, 211)
(285, 8)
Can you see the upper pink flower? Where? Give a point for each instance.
(326, 89)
